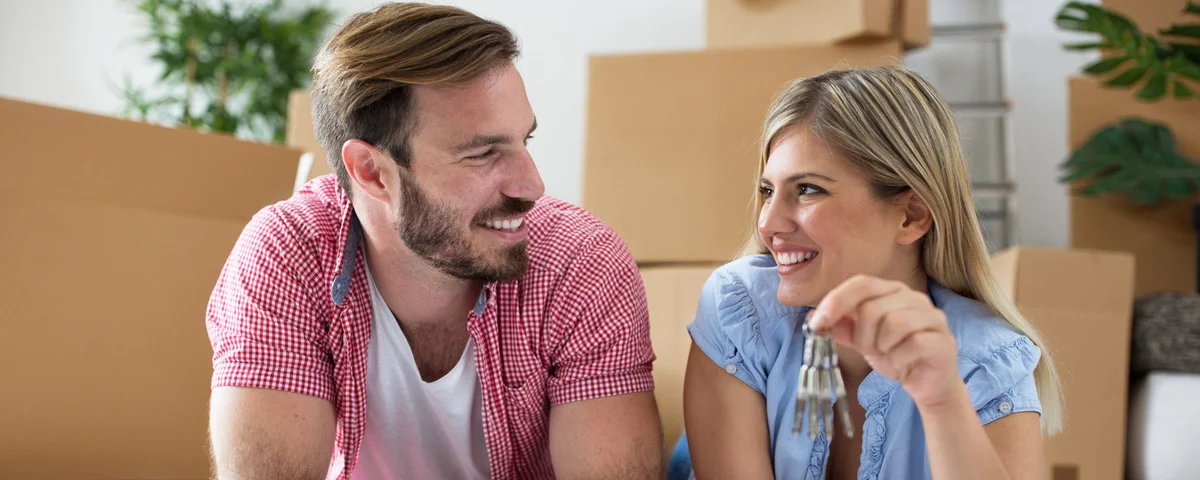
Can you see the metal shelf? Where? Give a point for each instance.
(997, 196)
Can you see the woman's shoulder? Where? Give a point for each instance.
(737, 321)
(981, 333)
(749, 285)
(994, 358)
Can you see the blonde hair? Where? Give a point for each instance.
(363, 75)
(896, 129)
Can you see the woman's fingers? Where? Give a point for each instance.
(875, 315)
(899, 325)
(842, 302)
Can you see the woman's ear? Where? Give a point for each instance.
(918, 219)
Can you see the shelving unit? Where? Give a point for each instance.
(965, 61)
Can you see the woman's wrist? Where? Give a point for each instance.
(954, 404)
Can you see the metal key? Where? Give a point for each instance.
(820, 388)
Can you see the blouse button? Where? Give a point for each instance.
(731, 368)
(1005, 407)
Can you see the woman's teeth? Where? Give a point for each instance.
(508, 225)
(792, 258)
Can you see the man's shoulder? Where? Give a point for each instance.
(305, 224)
(559, 230)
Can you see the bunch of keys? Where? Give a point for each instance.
(820, 385)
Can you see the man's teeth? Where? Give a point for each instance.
(510, 225)
(792, 258)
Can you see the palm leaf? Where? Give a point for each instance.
(1134, 158)
(1136, 60)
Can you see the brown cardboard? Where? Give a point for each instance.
(1160, 237)
(115, 232)
(672, 293)
(772, 23)
(1151, 15)
(915, 30)
(300, 135)
(671, 141)
(1082, 302)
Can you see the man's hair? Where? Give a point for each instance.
(363, 75)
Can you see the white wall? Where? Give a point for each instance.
(70, 53)
(73, 53)
(1037, 78)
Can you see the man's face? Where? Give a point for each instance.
(471, 181)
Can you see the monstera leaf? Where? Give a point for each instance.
(1137, 159)
(1166, 65)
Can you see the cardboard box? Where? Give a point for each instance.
(1160, 237)
(115, 234)
(673, 293)
(1151, 15)
(671, 141)
(766, 23)
(1065, 293)
(300, 135)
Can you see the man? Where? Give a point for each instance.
(428, 313)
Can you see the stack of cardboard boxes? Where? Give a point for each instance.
(114, 235)
(1082, 298)
(1160, 237)
(672, 139)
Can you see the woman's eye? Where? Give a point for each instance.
(765, 192)
(810, 189)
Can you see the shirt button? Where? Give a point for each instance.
(1005, 407)
(731, 368)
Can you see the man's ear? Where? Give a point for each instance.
(367, 169)
(918, 219)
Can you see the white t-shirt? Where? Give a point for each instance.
(416, 429)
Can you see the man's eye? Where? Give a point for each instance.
(528, 138)
(483, 156)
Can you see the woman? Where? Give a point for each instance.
(867, 229)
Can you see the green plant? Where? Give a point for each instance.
(1136, 158)
(226, 68)
(1168, 63)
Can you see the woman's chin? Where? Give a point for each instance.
(797, 297)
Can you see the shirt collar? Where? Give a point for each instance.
(350, 237)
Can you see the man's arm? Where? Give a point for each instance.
(269, 434)
(603, 416)
(270, 413)
(609, 437)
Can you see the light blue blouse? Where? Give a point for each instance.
(742, 327)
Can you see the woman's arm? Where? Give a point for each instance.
(960, 447)
(726, 423)
(904, 337)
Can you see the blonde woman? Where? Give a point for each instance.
(866, 228)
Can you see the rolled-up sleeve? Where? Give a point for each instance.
(262, 316)
(1003, 382)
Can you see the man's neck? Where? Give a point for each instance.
(416, 292)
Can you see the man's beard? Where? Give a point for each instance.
(432, 231)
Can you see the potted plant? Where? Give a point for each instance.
(226, 68)
(1134, 157)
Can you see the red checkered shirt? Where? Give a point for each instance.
(292, 311)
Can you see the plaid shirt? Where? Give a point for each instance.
(292, 311)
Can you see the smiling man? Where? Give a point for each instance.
(427, 312)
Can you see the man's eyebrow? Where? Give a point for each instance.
(484, 140)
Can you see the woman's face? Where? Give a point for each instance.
(823, 224)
